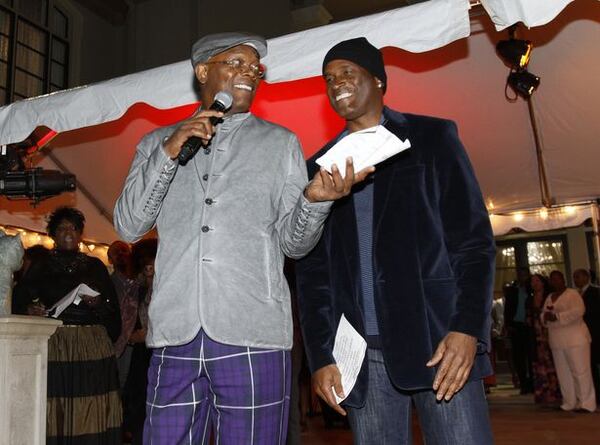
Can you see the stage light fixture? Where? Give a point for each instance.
(515, 52)
(523, 82)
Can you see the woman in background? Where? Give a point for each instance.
(143, 255)
(569, 340)
(545, 382)
(83, 388)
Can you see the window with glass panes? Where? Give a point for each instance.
(589, 236)
(506, 266)
(544, 256)
(540, 255)
(34, 48)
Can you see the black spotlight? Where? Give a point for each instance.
(515, 52)
(523, 82)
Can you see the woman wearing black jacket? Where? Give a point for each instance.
(83, 388)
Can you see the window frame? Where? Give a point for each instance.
(48, 83)
(521, 256)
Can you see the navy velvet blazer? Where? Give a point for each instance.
(433, 259)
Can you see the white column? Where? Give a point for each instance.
(23, 378)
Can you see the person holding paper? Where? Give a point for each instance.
(84, 404)
(220, 317)
(408, 260)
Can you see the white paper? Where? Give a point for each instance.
(349, 352)
(366, 147)
(72, 297)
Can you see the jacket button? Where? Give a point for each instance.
(207, 151)
(205, 177)
(205, 229)
(208, 201)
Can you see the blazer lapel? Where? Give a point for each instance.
(384, 172)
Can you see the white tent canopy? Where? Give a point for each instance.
(445, 74)
(425, 26)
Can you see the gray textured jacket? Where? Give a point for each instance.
(225, 222)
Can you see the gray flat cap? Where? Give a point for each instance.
(213, 44)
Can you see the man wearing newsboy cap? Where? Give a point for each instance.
(413, 273)
(220, 318)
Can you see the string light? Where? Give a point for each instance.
(509, 251)
(32, 238)
(543, 212)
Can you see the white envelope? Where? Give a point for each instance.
(366, 147)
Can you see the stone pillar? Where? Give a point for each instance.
(23, 378)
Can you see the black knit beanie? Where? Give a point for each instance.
(361, 52)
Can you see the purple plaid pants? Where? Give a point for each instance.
(239, 395)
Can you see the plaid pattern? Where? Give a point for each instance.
(240, 395)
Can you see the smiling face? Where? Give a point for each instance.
(241, 82)
(67, 236)
(354, 93)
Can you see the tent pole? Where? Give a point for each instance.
(547, 200)
(595, 216)
(105, 213)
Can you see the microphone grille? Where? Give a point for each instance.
(224, 98)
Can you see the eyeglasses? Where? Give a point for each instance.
(239, 65)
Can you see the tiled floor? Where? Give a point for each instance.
(515, 421)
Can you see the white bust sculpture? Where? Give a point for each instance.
(11, 257)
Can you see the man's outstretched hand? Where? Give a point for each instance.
(455, 355)
(329, 187)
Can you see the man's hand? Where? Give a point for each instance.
(323, 379)
(329, 187)
(456, 352)
(198, 125)
(37, 308)
(91, 300)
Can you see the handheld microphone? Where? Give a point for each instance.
(222, 103)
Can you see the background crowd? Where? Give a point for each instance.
(98, 360)
(552, 333)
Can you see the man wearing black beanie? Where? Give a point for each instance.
(408, 259)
